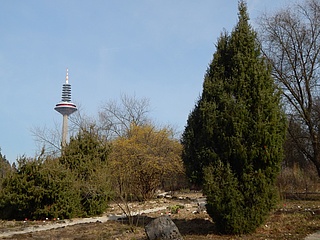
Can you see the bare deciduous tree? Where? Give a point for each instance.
(290, 39)
(116, 118)
(49, 140)
(80, 121)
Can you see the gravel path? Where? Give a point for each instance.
(71, 222)
(314, 236)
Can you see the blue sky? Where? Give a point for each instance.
(155, 49)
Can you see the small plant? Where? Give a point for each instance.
(175, 209)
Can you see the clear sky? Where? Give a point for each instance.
(155, 49)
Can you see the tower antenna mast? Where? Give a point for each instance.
(65, 108)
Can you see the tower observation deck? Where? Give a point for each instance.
(65, 108)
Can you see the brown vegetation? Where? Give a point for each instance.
(143, 159)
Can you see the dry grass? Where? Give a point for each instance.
(293, 219)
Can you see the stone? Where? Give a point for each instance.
(202, 202)
(201, 207)
(162, 228)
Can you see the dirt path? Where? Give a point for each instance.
(113, 213)
(59, 224)
(315, 236)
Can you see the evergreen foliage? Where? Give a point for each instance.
(234, 136)
(74, 185)
(86, 157)
(5, 168)
(39, 189)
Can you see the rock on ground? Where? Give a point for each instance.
(162, 228)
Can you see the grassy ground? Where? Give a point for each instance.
(293, 219)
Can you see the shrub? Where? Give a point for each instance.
(38, 190)
(237, 207)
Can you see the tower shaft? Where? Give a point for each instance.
(64, 131)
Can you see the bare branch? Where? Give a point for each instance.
(116, 118)
(290, 40)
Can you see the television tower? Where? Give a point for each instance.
(66, 108)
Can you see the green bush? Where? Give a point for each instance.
(38, 190)
(237, 208)
(86, 156)
(74, 185)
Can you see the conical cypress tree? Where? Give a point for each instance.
(234, 136)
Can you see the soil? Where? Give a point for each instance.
(192, 222)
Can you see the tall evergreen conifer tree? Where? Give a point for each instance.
(234, 136)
